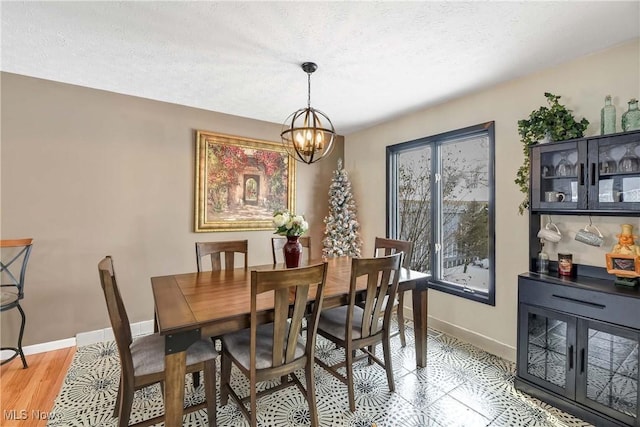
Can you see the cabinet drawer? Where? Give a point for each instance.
(596, 305)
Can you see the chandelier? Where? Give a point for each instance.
(308, 134)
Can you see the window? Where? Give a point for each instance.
(441, 197)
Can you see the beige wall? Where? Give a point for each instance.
(89, 173)
(583, 85)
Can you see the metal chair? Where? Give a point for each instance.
(277, 243)
(355, 327)
(388, 247)
(275, 350)
(142, 360)
(12, 291)
(215, 249)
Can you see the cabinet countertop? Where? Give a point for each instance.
(585, 282)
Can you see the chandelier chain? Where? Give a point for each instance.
(308, 90)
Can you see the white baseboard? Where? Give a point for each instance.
(41, 348)
(81, 339)
(138, 329)
(487, 344)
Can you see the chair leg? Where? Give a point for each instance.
(24, 320)
(253, 406)
(126, 402)
(388, 366)
(403, 340)
(311, 393)
(225, 377)
(210, 390)
(349, 369)
(116, 408)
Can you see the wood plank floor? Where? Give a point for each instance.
(27, 395)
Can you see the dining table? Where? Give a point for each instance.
(212, 303)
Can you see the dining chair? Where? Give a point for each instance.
(383, 246)
(277, 244)
(354, 327)
(267, 351)
(12, 272)
(215, 249)
(142, 360)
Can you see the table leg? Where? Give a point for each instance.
(175, 367)
(419, 297)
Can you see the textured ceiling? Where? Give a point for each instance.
(377, 60)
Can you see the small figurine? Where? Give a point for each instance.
(626, 244)
(624, 259)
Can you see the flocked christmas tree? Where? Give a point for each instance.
(341, 234)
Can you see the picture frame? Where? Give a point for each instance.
(240, 182)
(623, 265)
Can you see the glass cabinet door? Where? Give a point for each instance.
(558, 176)
(547, 349)
(607, 375)
(614, 173)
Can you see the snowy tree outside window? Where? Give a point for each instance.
(341, 235)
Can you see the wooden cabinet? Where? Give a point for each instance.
(578, 337)
(578, 345)
(596, 175)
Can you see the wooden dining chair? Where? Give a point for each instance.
(142, 360)
(276, 350)
(13, 268)
(386, 247)
(354, 327)
(277, 244)
(215, 249)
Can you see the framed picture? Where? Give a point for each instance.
(240, 182)
(623, 265)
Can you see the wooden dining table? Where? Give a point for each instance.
(212, 303)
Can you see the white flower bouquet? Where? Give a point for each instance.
(289, 224)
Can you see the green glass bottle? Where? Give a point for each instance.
(607, 117)
(631, 119)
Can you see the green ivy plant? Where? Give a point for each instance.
(555, 123)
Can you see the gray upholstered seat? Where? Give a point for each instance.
(239, 344)
(333, 321)
(8, 297)
(148, 354)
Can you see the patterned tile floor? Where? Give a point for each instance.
(461, 386)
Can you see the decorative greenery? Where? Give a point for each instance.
(289, 224)
(555, 123)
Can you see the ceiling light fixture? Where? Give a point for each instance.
(308, 134)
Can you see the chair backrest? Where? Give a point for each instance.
(117, 316)
(381, 276)
(13, 274)
(293, 285)
(214, 249)
(277, 243)
(390, 246)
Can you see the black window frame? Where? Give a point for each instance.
(435, 141)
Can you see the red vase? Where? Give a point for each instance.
(292, 252)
